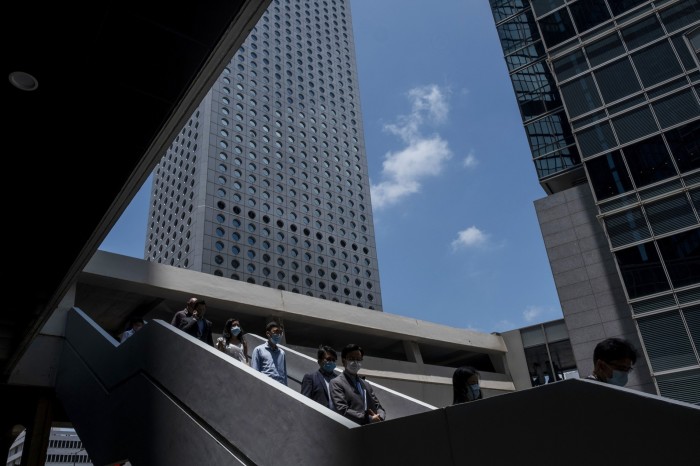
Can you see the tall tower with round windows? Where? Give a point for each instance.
(267, 183)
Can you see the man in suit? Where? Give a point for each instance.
(315, 385)
(180, 316)
(353, 397)
(196, 325)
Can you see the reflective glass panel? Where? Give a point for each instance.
(641, 270)
(681, 253)
(502, 9)
(656, 63)
(648, 161)
(589, 13)
(542, 7)
(620, 6)
(605, 49)
(518, 32)
(617, 80)
(570, 65)
(608, 175)
(557, 27)
(642, 32)
(685, 146)
(549, 134)
(580, 96)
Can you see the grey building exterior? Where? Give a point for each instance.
(608, 91)
(540, 354)
(267, 183)
(64, 447)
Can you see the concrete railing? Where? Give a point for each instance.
(218, 407)
(165, 398)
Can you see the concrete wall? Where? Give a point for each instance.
(515, 357)
(589, 287)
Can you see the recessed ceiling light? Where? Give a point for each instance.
(23, 81)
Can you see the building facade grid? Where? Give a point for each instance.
(268, 182)
(627, 74)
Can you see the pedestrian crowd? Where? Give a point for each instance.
(346, 392)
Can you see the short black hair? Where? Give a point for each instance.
(614, 348)
(271, 325)
(323, 349)
(350, 348)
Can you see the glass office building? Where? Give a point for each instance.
(609, 93)
(267, 183)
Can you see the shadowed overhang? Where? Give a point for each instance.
(116, 82)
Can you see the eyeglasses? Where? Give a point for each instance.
(354, 360)
(620, 367)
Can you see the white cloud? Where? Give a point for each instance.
(504, 325)
(470, 161)
(539, 313)
(531, 313)
(429, 99)
(403, 170)
(471, 237)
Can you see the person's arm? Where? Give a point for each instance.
(307, 384)
(176, 320)
(190, 323)
(254, 360)
(373, 404)
(341, 402)
(220, 344)
(245, 351)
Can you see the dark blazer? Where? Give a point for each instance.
(178, 317)
(348, 401)
(189, 325)
(313, 385)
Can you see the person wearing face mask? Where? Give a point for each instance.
(352, 396)
(465, 385)
(316, 385)
(269, 358)
(232, 342)
(612, 361)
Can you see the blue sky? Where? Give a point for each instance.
(452, 180)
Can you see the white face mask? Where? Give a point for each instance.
(353, 367)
